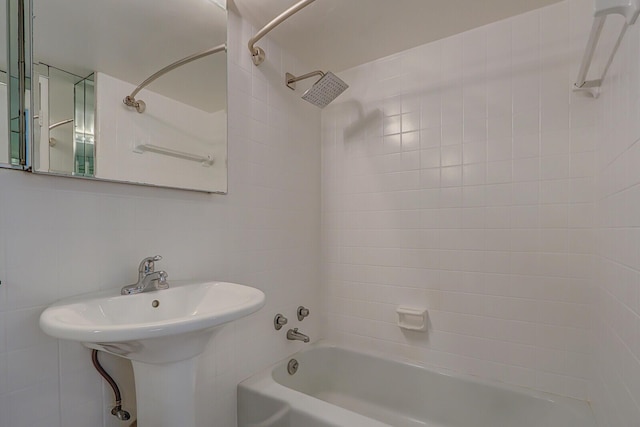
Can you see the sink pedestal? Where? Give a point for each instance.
(165, 393)
(165, 375)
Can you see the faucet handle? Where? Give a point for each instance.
(279, 321)
(147, 264)
(302, 312)
(162, 283)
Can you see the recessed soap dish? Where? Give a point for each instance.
(413, 319)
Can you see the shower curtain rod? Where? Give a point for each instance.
(139, 105)
(257, 53)
(630, 9)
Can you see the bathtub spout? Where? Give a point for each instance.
(294, 335)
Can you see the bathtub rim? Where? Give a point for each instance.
(264, 383)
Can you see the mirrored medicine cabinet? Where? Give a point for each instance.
(84, 57)
(13, 149)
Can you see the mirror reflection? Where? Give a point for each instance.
(89, 55)
(64, 132)
(4, 121)
(4, 102)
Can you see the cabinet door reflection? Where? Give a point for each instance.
(64, 125)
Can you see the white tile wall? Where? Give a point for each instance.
(60, 237)
(617, 387)
(458, 176)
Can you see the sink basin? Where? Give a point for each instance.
(156, 327)
(161, 332)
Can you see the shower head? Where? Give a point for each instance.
(323, 91)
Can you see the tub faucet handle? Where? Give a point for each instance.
(302, 312)
(279, 321)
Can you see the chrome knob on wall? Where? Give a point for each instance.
(279, 321)
(302, 312)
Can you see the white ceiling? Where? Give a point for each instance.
(131, 40)
(339, 34)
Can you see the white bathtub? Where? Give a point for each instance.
(338, 387)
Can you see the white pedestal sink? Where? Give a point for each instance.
(161, 332)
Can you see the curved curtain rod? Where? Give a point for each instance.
(257, 53)
(60, 123)
(139, 105)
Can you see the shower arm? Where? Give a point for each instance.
(139, 105)
(257, 53)
(291, 79)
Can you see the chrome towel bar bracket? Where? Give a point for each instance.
(630, 10)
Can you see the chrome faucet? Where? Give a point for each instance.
(148, 278)
(294, 335)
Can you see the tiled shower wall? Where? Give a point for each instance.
(616, 393)
(61, 237)
(458, 177)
